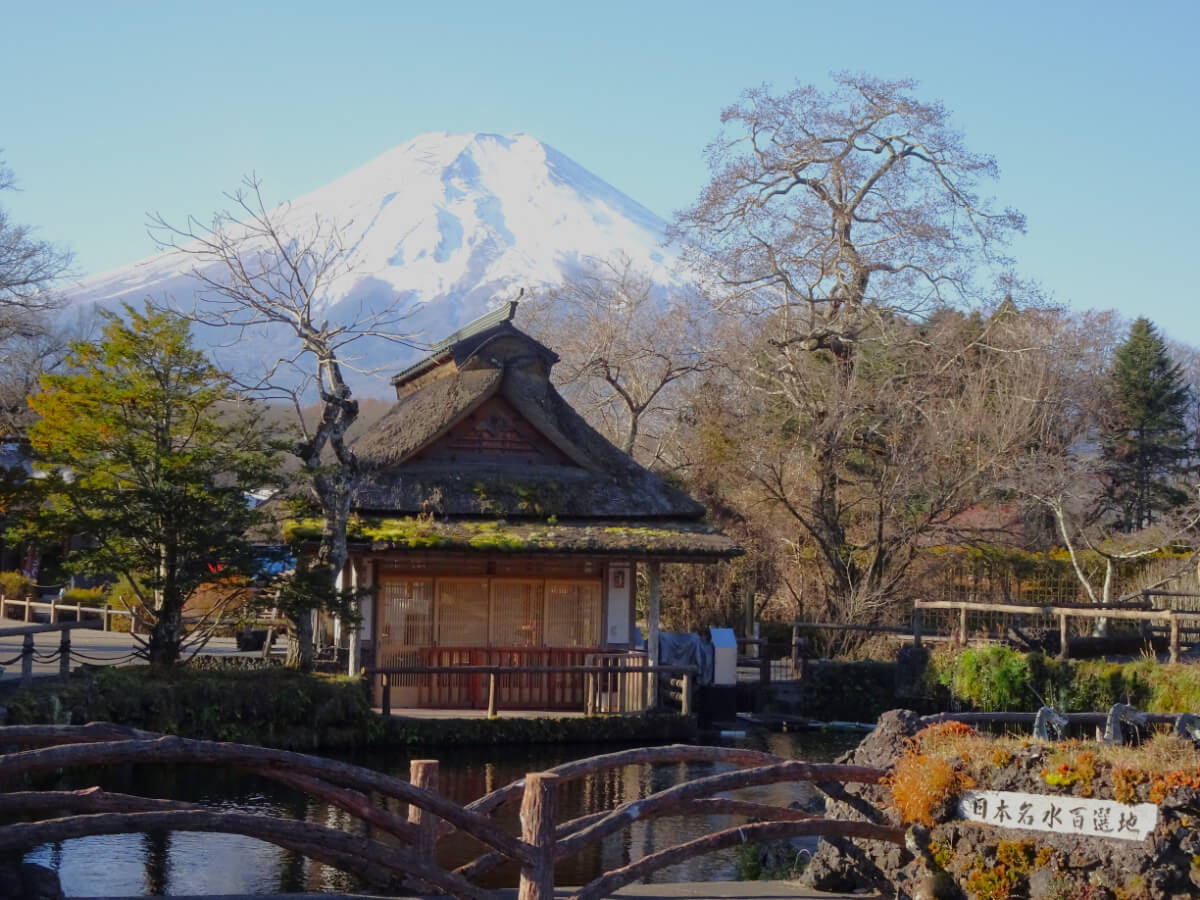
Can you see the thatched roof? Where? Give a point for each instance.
(586, 478)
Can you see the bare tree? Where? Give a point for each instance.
(28, 266)
(628, 349)
(252, 274)
(839, 225)
(843, 209)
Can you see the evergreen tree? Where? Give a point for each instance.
(1145, 442)
(145, 459)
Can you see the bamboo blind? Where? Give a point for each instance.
(462, 615)
(573, 614)
(518, 614)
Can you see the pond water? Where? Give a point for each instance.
(195, 863)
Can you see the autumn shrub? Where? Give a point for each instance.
(96, 598)
(926, 778)
(16, 586)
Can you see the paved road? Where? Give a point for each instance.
(87, 645)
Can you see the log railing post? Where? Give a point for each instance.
(385, 696)
(1064, 647)
(537, 829)
(962, 625)
(589, 694)
(795, 649)
(27, 661)
(28, 609)
(491, 695)
(1174, 637)
(916, 625)
(686, 701)
(423, 773)
(64, 654)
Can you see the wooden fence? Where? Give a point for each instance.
(609, 685)
(24, 610)
(990, 621)
(430, 817)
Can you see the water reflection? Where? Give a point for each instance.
(162, 864)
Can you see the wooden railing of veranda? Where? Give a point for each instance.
(543, 841)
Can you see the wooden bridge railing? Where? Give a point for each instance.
(606, 686)
(430, 816)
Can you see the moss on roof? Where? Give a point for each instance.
(666, 539)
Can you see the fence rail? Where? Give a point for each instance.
(431, 817)
(84, 614)
(1061, 615)
(626, 687)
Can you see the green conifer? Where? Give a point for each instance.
(1145, 443)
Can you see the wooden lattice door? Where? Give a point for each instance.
(405, 631)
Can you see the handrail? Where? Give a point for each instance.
(352, 788)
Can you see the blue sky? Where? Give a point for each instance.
(114, 110)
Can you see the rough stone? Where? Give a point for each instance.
(1162, 867)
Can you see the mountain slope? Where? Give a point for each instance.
(448, 225)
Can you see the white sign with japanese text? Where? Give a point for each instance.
(1066, 815)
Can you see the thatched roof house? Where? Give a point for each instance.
(497, 524)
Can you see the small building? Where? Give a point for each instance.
(499, 528)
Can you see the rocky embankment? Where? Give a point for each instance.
(953, 858)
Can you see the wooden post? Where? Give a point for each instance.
(491, 695)
(104, 615)
(916, 622)
(962, 626)
(53, 609)
(1174, 637)
(27, 661)
(795, 649)
(686, 702)
(1064, 647)
(385, 697)
(423, 773)
(537, 829)
(654, 574)
(589, 694)
(28, 609)
(64, 654)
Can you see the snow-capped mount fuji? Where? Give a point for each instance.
(449, 225)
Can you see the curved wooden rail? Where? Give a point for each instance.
(337, 848)
(276, 764)
(349, 787)
(662, 802)
(672, 753)
(606, 884)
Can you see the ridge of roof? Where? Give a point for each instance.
(499, 320)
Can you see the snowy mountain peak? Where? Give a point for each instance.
(451, 224)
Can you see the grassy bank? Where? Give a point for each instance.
(998, 678)
(276, 707)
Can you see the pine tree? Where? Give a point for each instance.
(1145, 442)
(143, 456)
